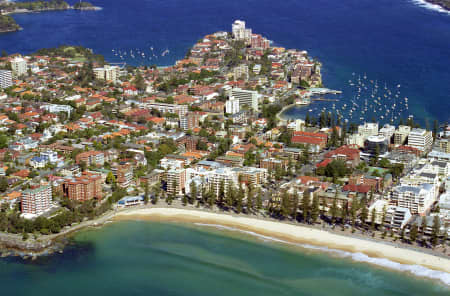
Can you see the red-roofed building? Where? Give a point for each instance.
(349, 154)
(306, 138)
(357, 188)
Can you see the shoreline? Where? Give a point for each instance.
(357, 248)
(279, 117)
(304, 236)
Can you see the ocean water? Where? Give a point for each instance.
(394, 42)
(148, 258)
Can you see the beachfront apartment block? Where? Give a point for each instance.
(417, 199)
(18, 66)
(176, 181)
(107, 73)
(5, 79)
(123, 174)
(83, 188)
(36, 201)
(246, 98)
(420, 139)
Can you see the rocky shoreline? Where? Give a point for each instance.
(445, 4)
(42, 245)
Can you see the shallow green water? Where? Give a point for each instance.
(148, 258)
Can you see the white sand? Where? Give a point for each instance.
(293, 233)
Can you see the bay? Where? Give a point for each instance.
(154, 258)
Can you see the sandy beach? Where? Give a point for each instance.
(293, 234)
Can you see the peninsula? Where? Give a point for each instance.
(8, 24)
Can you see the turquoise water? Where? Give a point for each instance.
(149, 258)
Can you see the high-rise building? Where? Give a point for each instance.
(232, 106)
(36, 201)
(418, 199)
(259, 42)
(5, 79)
(420, 139)
(176, 181)
(368, 129)
(387, 131)
(240, 32)
(246, 98)
(401, 134)
(83, 188)
(190, 121)
(18, 66)
(91, 158)
(108, 73)
(123, 174)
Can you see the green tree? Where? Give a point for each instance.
(364, 211)
(3, 184)
(333, 211)
(413, 233)
(306, 201)
(315, 209)
(435, 231)
(146, 193)
(372, 218)
(285, 205)
(343, 215)
(239, 199)
(259, 199)
(110, 179)
(193, 190)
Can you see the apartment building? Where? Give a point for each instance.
(18, 66)
(401, 134)
(368, 129)
(190, 121)
(176, 181)
(83, 188)
(91, 158)
(417, 199)
(232, 106)
(36, 201)
(180, 110)
(240, 72)
(387, 131)
(251, 175)
(107, 73)
(123, 174)
(240, 32)
(5, 79)
(246, 98)
(420, 139)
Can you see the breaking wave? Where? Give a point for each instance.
(416, 270)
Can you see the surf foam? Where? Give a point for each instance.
(416, 270)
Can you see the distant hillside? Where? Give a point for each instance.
(443, 3)
(8, 24)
